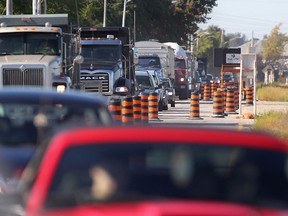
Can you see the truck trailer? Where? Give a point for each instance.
(108, 67)
(22, 62)
(165, 53)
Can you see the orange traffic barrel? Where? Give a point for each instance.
(202, 91)
(230, 104)
(218, 104)
(223, 91)
(127, 111)
(213, 88)
(249, 95)
(144, 109)
(137, 110)
(207, 93)
(115, 109)
(153, 106)
(236, 98)
(194, 106)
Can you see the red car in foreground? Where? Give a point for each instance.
(142, 171)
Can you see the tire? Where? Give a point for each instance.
(183, 94)
(165, 106)
(172, 103)
(160, 105)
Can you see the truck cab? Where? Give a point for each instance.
(108, 67)
(32, 55)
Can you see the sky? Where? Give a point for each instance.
(249, 17)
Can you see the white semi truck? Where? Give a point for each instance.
(22, 63)
(165, 52)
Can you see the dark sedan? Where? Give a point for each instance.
(31, 116)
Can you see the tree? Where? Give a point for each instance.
(161, 19)
(274, 45)
(273, 49)
(206, 41)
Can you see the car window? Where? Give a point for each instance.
(156, 172)
(144, 81)
(21, 124)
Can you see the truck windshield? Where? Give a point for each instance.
(180, 63)
(30, 43)
(101, 53)
(149, 61)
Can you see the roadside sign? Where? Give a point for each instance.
(232, 58)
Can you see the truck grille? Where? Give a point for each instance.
(28, 77)
(96, 82)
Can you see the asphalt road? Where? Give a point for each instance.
(180, 115)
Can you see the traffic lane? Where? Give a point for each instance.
(180, 116)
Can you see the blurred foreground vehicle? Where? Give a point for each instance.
(29, 116)
(142, 171)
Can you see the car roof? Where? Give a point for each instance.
(40, 95)
(159, 135)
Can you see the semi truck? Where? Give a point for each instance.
(22, 63)
(108, 67)
(182, 77)
(164, 52)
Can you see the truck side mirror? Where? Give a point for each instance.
(136, 56)
(78, 59)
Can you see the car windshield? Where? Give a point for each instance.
(149, 61)
(166, 84)
(144, 81)
(138, 172)
(22, 124)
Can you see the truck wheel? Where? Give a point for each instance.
(173, 104)
(183, 94)
(160, 105)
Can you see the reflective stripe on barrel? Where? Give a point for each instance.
(127, 110)
(115, 109)
(249, 95)
(218, 104)
(137, 110)
(230, 104)
(153, 106)
(194, 106)
(144, 109)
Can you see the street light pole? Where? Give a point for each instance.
(124, 12)
(104, 13)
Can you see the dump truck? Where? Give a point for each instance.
(108, 67)
(22, 62)
(182, 77)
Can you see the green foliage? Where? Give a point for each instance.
(154, 19)
(274, 45)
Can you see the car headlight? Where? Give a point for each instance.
(182, 79)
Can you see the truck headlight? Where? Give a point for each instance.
(61, 88)
(121, 89)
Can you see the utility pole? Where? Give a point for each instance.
(104, 14)
(9, 7)
(222, 38)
